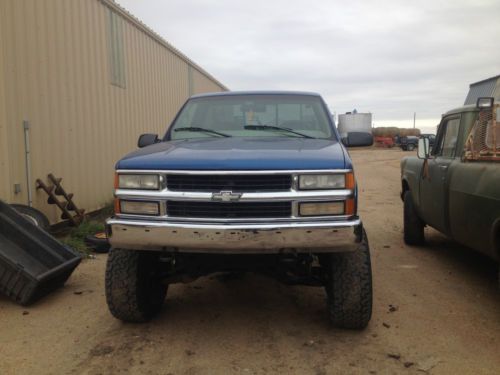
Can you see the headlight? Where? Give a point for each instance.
(321, 208)
(139, 181)
(139, 208)
(322, 181)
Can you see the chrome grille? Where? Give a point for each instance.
(232, 210)
(235, 183)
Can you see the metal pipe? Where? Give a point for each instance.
(26, 126)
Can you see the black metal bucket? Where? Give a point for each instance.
(32, 262)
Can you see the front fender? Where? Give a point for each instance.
(411, 172)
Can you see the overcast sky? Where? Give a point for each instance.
(391, 58)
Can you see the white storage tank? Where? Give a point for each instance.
(355, 122)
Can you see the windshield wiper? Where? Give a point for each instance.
(271, 127)
(198, 129)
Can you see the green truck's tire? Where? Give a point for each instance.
(413, 225)
(134, 293)
(349, 287)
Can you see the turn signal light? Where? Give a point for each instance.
(350, 206)
(350, 182)
(117, 206)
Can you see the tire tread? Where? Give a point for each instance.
(350, 291)
(127, 296)
(413, 225)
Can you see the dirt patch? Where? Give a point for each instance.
(101, 350)
(436, 309)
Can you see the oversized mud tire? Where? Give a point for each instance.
(134, 291)
(349, 287)
(413, 225)
(410, 147)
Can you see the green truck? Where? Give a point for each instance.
(454, 186)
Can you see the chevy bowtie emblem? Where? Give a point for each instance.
(226, 196)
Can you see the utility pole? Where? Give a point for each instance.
(414, 117)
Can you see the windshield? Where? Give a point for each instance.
(301, 116)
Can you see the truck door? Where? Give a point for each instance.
(434, 183)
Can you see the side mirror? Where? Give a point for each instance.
(147, 140)
(423, 148)
(485, 102)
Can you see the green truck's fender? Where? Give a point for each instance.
(411, 173)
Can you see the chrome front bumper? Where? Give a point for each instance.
(319, 236)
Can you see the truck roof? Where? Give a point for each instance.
(464, 108)
(259, 92)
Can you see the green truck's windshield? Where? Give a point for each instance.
(253, 116)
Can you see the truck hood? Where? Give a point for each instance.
(239, 153)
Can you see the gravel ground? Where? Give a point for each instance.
(436, 309)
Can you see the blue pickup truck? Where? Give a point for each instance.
(241, 181)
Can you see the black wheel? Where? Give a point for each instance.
(349, 287)
(404, 148)
(411, 147)
(98, 242)
(413, 225)
(134, 290)
(33, 216)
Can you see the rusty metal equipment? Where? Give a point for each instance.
(483, 143)
(55, 189)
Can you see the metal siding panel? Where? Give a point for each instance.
(88, 161)
(203, 84)
(57, 76)
(53, 98)
(483, 89)
(5, 187)
(496, 91)
(32, 93)
(111, 138)
(157, 39)
(15, 101)
(72, 162)
(44, 65)
(95, 67)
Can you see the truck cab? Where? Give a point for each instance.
(241, 181)
(454, 187)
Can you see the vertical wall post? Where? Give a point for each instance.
(26, 126)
